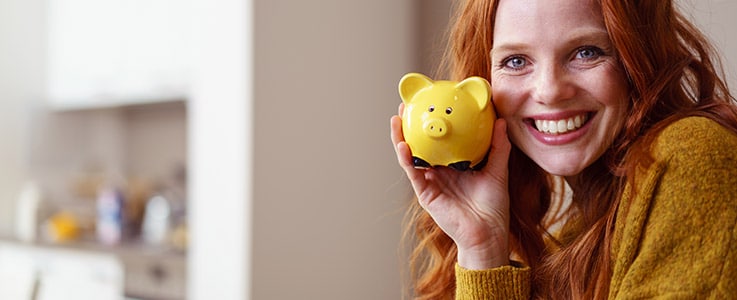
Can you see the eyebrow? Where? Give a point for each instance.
(584, 35)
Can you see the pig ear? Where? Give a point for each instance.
(411, 83)
(478, 88)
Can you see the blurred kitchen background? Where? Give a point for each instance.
(198, 149)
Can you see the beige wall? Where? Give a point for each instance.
(328, 195)
(433, 17)
(717, 18)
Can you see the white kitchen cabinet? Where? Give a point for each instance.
(90, 271)
(107, 53)
(35, 272)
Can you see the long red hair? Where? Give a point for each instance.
(673, 72)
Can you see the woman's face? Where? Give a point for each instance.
(556, 81)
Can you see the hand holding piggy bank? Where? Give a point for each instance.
(447, 123)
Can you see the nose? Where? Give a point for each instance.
(435, 128)
(552, 83)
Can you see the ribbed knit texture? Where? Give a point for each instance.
(674, 238)
(502, 283)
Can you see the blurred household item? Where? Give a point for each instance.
(62, 227)
(110, 216)
(165, 215)
(156, 220)
(136, 194)
(26, 226)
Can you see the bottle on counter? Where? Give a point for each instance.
(27, 210)
(110, 215)
(157, 220)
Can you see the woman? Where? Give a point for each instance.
(621, 99)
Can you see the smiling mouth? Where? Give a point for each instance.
(561, 126)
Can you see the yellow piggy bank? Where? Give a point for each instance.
(447, 123)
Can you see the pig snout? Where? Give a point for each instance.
(436, 128)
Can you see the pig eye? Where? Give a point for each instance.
(448, 110)
(431, 109)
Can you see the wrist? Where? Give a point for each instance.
(484, 259)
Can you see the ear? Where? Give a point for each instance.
(411, 83)
(478, 88)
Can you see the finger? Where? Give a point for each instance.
(500, 147)
(416, 176)
(400, 147)
(400, 110)
(396, 130)
(404, 155)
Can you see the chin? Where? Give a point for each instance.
(563, 168)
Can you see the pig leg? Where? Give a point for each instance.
(420, 163)
(461, 165)
(482, 163)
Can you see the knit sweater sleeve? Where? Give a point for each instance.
(506, 282)
(678, 233)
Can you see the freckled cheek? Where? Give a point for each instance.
(613, 84)
(509, 107)
(506, 102)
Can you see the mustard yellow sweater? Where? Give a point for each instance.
(675, 239)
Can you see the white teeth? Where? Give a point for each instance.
(560, 126)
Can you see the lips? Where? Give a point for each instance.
(561, 126)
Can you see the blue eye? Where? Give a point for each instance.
(515, 62)
(589, 53)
